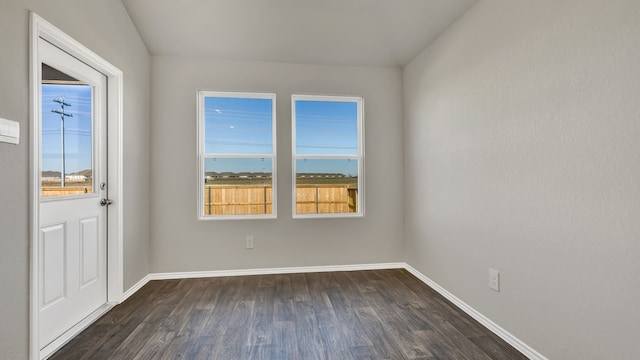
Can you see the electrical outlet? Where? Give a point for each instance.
(494, 279)
(249, 241)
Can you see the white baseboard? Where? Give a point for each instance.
(246, 272)
(137, 286)
(485, 321)
(68, 335)
(273, 271)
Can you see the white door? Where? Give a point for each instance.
(72, 241)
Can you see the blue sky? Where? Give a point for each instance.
(326, 128)
(243, 126)
(237, 125)
(77, 128)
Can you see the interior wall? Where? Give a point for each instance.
(104, 27)
(182, 243)
(522, 154)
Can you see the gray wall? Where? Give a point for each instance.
(182, 243)
(103, 26)
(522, 153)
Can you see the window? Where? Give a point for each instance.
(236, 155)
(328, 156)
(67, 135)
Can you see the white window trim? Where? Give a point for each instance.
(202, 155)
(360, 156)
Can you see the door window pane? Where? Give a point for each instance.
(67, 129)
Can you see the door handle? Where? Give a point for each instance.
(105, 202)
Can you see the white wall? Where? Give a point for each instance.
(181, 243)
(103, 26)
(522, 153)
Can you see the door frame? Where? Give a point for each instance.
(41, 28)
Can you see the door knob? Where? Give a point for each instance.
(105, 202)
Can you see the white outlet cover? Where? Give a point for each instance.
(494, 279)
(249, 241)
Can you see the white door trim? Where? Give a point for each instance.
(41, 28)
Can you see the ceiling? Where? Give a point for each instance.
(346, 32)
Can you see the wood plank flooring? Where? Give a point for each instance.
(381, 314)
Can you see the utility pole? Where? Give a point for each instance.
(62, 113)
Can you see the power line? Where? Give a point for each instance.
(63, 114)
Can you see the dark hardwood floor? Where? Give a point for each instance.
(381, 314)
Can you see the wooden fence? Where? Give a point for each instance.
(237, 199)
(65, 191)
(326, 199)
(257, 199)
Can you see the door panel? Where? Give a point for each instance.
(53, 263)
(89, 243)
(73, 224)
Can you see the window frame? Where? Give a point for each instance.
(203, 155)
(359, 100)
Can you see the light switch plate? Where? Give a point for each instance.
(9, 131)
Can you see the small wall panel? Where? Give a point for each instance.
(54, 263)
(89, 240)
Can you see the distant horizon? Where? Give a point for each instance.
(68, 173)
(266, 172)
(242, 127)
